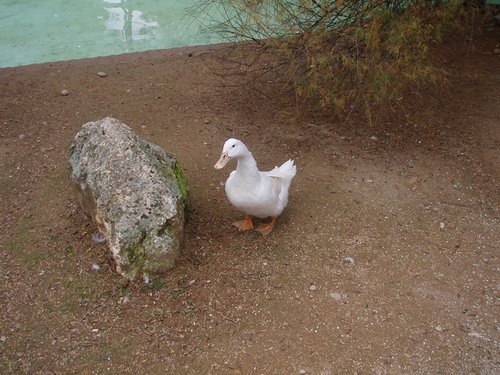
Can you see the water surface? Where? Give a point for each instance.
(35, 31)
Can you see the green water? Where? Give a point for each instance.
(35, 31)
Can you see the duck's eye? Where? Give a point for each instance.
(234, 146)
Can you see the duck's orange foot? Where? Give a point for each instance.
(266, 228)
(245, 224)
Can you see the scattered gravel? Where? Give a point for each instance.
(237, 304)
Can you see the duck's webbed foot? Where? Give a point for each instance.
(245, 224)
(266, 228)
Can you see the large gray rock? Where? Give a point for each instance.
(135, 193)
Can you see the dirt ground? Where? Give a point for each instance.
(385, 261)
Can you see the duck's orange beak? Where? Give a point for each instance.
(224, 158)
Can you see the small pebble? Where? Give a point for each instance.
(442, 225)
(233, 365)
(497, 51)
(313, 287)
(336, 296)
(369, 180)
(124, 300)
(476, 335)
(349, 260)
(102, 74)
(22, 136)
(53, 342)
(95, 267)
(3, 338)
(374, 138)
(64, 92)
(207, 121)
(98, 238)
(438, 328)
(302, 372)
(146, 279)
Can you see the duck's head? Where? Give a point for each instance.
(232, 149)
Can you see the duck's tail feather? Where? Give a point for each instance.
(288, 170)
(285, 174)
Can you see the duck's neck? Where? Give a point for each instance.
(247, 168)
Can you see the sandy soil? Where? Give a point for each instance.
(385, 261)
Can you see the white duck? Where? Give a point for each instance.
(255, 193)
